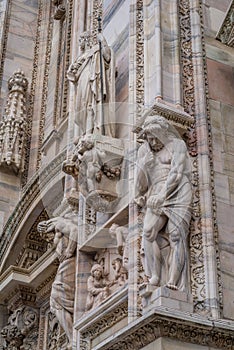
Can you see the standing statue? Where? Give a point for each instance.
(85, 73)
(120, 233)
(163, 188)
(63, 231)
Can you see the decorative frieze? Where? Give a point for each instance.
(13, 125)
(163, 322)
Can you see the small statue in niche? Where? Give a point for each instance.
(120, 233)
(121, 273)
(163, 188)
(91, 160)
(98, 287)
(63, 231)
(85, 73)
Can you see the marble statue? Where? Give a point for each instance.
(91, 160)
(85, 73)
(63, 231)
(120, 233)
(163, 188)
(120, 272)
(98, 287)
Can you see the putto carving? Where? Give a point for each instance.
(13, 124)
(163, 187)
(21, 330)
(63, 231)
(93, 76)
(96, 162)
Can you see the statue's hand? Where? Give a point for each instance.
(140, 201)
(149, 159)
(100, 38)
(155, 202)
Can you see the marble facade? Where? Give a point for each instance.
(121, 239)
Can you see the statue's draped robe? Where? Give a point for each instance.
(88, 93)
(63, 287)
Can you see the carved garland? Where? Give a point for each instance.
(140, 99)
(32, 95)
(196, 252)
(45, 85)
(67, 57)
(4, 41)
(139, 57)
(97, 11)
(210, 143)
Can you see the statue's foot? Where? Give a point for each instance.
(171, 286)
(154, 281)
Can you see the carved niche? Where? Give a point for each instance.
(107, 275)
(13, 125)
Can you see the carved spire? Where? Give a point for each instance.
(13, 123)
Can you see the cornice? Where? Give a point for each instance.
(164, 322)
(226, 32)
(33, 276)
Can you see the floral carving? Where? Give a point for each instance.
(21, 329)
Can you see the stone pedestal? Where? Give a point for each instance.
(163, 296)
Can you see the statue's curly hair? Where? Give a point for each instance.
(152, 124)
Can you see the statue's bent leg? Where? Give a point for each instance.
(176, 258)
(66, 321)
(153, 223)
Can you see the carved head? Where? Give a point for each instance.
(85, 41)
(113, 228)
(85, 144)
(158, 127)
(97, 271)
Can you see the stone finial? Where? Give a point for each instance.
(13, 125)
(18, 82)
